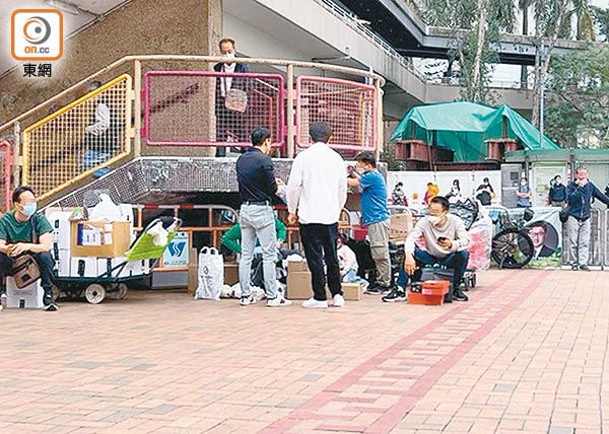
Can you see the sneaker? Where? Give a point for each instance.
(460, 296)
(3, 302)
(338, 300)
(373, 289)
(311, 303)
(396, 294)
(278, 301)
(245, 301)
(584, 268)
(51, 307)
(574, 267)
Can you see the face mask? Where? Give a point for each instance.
(30, 208)
(558, 181)
(523, 183)
(229, 55)
(435, 219)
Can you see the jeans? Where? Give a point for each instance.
(319, 242)
(455, 260)
(351, 276)
(378, 233)
(258, 221)
(46, 264)
(579, 240)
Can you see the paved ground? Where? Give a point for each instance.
(526, 354)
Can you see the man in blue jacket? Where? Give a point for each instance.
(580, 194)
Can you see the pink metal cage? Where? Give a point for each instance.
(6, 166)
(349, 107)
(188, 108)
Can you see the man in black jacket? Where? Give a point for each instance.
(229, 123)
(580, 194)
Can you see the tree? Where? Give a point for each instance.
(579, 105)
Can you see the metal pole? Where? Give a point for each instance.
(541, 94)
(379, 118)
(290, 111)
(137, 109)
(16, 156)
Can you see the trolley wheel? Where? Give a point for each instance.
(473, 280)
(95, 293)
(122, 291)
(56, 292)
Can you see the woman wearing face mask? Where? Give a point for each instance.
(558, 192)
(24, 231)
(523, 193)
(229, 123)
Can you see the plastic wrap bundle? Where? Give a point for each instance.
(481, 240)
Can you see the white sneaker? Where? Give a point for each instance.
(278, 301)
(311, 303)
(245, 301)
(338, 301)
(3, 302)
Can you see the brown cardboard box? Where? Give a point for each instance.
(193, 271)
(297, 266)
(299, 288)
(399, 227)
(112, 240)
(231, 273)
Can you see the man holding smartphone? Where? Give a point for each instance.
(446, 243)
(580, 194)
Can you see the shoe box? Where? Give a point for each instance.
(29, 297)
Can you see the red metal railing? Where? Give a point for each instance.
(6, 166)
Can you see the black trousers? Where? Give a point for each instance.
(319, 242)
(46, 264)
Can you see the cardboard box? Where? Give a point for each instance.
(231, 273)
(299, 288)
(29, 297)
(100, 239)
(297, 266)
(62, 262)
(193, 271)
(60, 223)
(83, 267)
(400, 226)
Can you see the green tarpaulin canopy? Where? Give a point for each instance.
(463, 128)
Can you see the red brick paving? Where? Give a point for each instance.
(526, 354)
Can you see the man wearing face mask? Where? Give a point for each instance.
(558, 192)
(229, 123)
(24, 231)
(446, 243)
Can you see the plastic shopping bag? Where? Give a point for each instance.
(211, 274)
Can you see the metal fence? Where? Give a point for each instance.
(6, 163)
(91, 133)
(348, 106)
(200, 108)
(599, 235)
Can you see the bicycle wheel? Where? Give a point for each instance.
(512, 248)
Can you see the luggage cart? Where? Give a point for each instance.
(138, 263)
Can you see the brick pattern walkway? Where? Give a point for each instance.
(527, 354)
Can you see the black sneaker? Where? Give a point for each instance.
(51, 307)
(574, 267)
(374, 289)
(460, 296)
(396, 294)
(584, 268)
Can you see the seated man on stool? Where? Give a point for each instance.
(24, 231)
(446, 242)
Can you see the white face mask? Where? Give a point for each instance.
(434, 219)
(229, 55)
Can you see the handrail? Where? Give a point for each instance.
(209, 59)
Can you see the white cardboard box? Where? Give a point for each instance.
(60, 222)
(131, 269)
(83, 267)
(62, 262)
(29, 297)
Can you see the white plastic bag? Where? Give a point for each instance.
(159, 233)
(211, 274)
(105, 210)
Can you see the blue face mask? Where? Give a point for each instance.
(29, 209)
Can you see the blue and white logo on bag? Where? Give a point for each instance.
(176, 253)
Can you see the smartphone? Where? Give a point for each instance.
(442, 239)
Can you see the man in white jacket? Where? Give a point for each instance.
(317, 192)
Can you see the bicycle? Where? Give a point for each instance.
(512, 246)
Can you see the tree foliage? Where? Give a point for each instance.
(579, 102)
